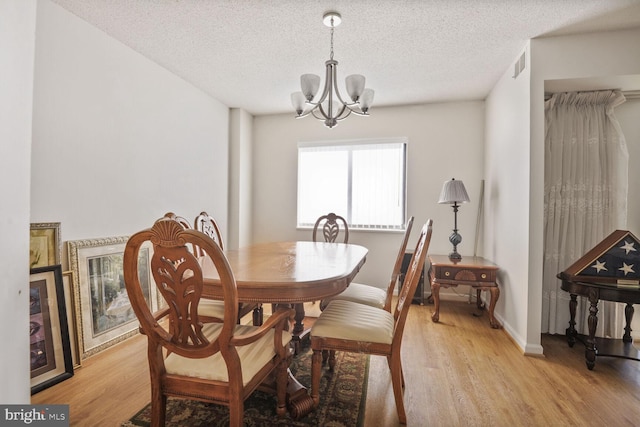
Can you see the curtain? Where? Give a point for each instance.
(585, 196)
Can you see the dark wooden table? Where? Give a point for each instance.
(596, 291)
(477, 272)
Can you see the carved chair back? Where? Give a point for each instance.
(330, 226)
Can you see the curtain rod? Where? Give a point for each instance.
(629, 94)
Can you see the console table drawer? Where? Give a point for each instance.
(465, 274)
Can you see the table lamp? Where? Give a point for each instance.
(453, 192)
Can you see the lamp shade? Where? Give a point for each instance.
(366, 99)
(453, 192)
(355, 86)
(310, 83)
(298, 102)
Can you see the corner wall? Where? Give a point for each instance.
(240, 179)
(506, 221)
(17, 47)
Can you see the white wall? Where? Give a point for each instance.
(507, 174)
(628, 114)
(445, 141)
(17, 45)
(577, 56)
(240, 178)
(118, 140)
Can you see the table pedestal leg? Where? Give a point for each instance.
(299, 402)
(258, 315)
(299, 332)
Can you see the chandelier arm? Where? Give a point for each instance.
(323, 112)
(307, 113)
(341, 115)
(344, 113)
(357, 112)
(314, 113)
(350, 105)
(340, 97)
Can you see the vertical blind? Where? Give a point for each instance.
(363, 181)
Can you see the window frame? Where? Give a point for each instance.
(350, 143)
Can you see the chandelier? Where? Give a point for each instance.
(326, 107)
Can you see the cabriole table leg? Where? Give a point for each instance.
(435, 294)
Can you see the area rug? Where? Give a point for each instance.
(342, 400)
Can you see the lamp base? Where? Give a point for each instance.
(455, 240)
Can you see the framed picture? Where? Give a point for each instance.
(44, 244)
(72, 319)
(48, 332)
(104, 313)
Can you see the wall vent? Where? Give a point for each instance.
(519, 65)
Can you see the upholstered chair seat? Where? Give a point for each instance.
(363, 294)
(215, 309)
(252, 357)
(366, 323)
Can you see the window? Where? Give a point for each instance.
(363, 181)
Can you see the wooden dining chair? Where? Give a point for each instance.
(212, 310)
(330, 226)
(208, 225)
(221, 363)
(359, 328)
(373, 295)
(180, 219)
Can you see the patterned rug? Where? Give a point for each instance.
(342, 400)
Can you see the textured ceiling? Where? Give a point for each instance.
(250, 53)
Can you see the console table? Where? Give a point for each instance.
(476, 272)
(595, 291)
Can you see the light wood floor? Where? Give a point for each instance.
(459, 372)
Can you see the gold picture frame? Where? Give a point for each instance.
(103, 313)
(44, 244)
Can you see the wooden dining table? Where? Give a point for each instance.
(289, 273)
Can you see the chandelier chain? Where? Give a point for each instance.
(332, 27)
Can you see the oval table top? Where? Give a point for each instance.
(288, 272)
